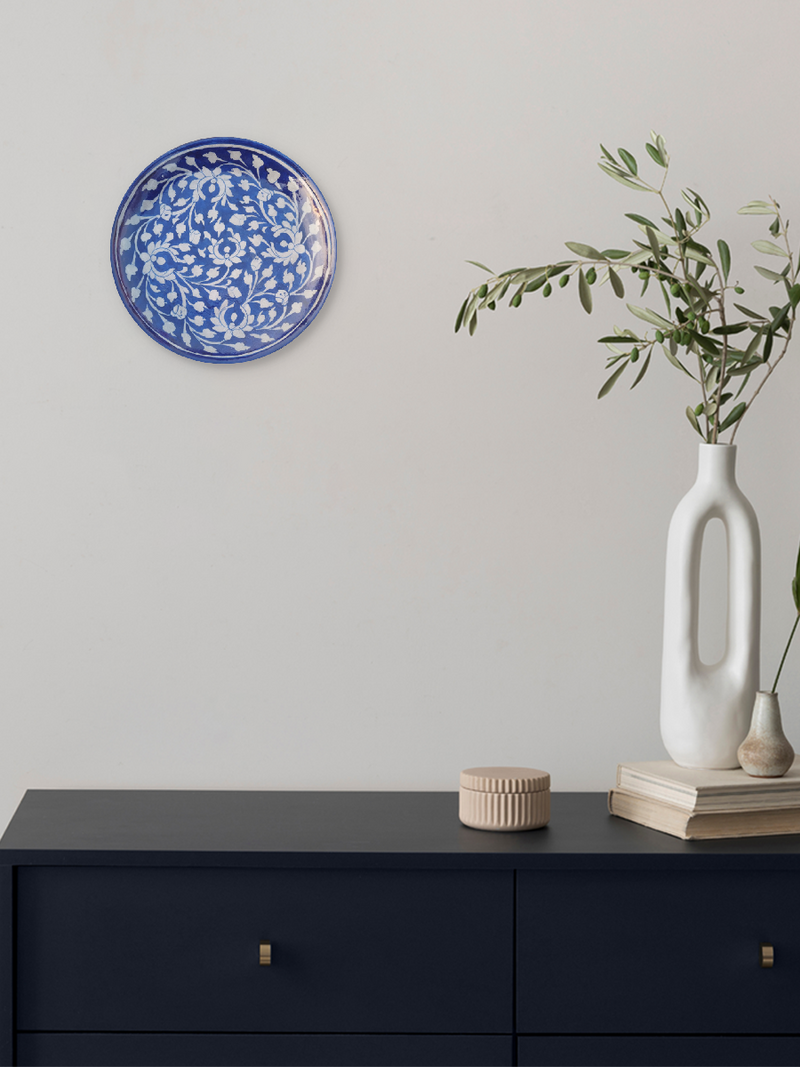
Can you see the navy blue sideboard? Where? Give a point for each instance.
(132, 924)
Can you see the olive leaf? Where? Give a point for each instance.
(585, 251)
(643, 371)
(628, 160)
(699, 200)
(753, 345)
(460, 316)
(724, 258)
(692, 253)
(527, 274)
(705, 343)
(690, 415)
(770, 248)
(733, 416)
(771, 274)
(495, 292)
(735, 327)
(609, 383)
(623, 180)
(779, 318)
(641, 220)
(712, 379)
(751, 314)
(471, 307)
(768, 341)
(557, 268)
(616, 283)
(655, 155)
(756, 207)
(654, 245)
(584, 292)
(676, 362)
(649, 316)
(635, 258)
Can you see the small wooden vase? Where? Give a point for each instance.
(765, 752)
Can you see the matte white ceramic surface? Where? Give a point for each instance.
(705, 709)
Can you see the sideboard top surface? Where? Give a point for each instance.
(345, 829)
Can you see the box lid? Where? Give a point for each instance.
(505, 779)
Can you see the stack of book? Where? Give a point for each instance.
(699, 804)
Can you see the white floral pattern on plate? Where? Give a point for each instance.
(223, 250)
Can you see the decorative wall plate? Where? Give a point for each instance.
(223, 250)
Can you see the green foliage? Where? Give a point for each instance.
(796, 599)
(693, 283)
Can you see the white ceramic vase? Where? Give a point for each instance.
(706, 709)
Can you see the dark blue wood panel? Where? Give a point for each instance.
(344, 829)
(141, 949)
(143, 910)
(258, 1050)
(646, 952)
(6, 965)
(658, 1051)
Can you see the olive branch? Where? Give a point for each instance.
(694, 286)
(796, 599)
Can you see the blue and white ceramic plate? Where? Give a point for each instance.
(223, 250)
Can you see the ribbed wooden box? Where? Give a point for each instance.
(504, 798)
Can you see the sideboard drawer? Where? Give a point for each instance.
(264, 1050)
(657, 952)
(661, 1051)
(143, 949)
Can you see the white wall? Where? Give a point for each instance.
(388, 552)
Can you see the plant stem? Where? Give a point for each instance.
(783, 658)
(685, 270)
(771, 366)
(702, 379)
(724, 360)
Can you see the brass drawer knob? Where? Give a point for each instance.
(767, 953)
(265, 953)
